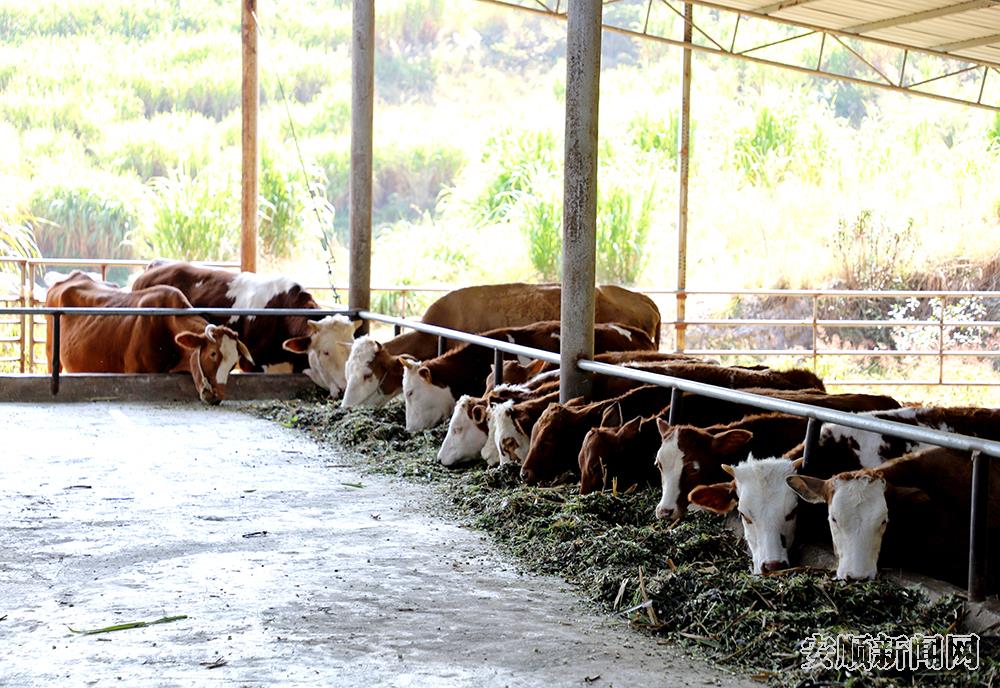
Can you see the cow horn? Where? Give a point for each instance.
(210, 332)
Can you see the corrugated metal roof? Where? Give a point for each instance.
(963, 29)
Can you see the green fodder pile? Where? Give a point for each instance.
(689, 582)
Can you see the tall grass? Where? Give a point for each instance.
(764, 152)
(623, 224)
(194, 218)
(89, 216)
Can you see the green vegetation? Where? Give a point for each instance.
(688, 582)
(121, 134)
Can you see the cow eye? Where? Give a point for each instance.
(368, 376)
(833, 518)
(213, 355)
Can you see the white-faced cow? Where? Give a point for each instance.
(141, 344)
(767, 507)
(264, 336)
(375, 371)
(910, 512)
(431, 388)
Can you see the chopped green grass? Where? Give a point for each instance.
(695, 587)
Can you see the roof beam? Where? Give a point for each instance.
(778, 6)
(968, 43)
(914, 17)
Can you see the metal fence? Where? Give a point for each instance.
(23, 337)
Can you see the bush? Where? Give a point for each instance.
(16, 237)
(92, 216)
(514, 161)
(542, 227)
(195, 218)
(283, 198)
(658, 135)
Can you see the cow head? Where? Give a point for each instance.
(510, 439)
(858, 508)
(368, 369)
(465, 438)
(602, 448)
(213, 354)
(688, 457)
(427, 404)
(767, 507)
(327, 344)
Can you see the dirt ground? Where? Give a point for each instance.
(291, 568)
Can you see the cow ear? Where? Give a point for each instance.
(244, 352)
(664, 427)
(298, 345)
(358, 324)
(731, 442)
(612, 416)
(536, 367)
(477, 413)
(728, 469)
(631, 426)
(425, 373)
(720, 497)
(809, 488)
(191, 340)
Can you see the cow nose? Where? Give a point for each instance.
(772, 566)
(665, 513)
(528, 476)
(857, 577)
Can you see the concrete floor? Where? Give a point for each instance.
(121, 512)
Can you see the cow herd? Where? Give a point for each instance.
(880, 501)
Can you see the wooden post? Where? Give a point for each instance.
(251, 150)
(683, 152)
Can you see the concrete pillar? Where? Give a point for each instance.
(583, 79)
(362, 97)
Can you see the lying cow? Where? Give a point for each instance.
(375, 371)
(431, 388)
(912, 510)
(277, 343)
(141, 344)
(689, 457)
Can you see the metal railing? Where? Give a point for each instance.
(26, 339)
(982, 450)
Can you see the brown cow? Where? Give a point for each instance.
(733, 377)
(375, 371)
(264, 336)
(141, 344)
(920, 502)
(430, 389)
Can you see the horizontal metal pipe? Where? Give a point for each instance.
(309, 312)
(495, 344)
(909, 432)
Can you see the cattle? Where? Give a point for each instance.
(912, 510)
(617, 455)
(265, 337)
(141, 344)
(558, 434)
(689, 456)
(375, 371)
(468, 430)
(733, 377)
(431, 388)
(553, 450)
(843, 448)
(326, 344)
(513, 423)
